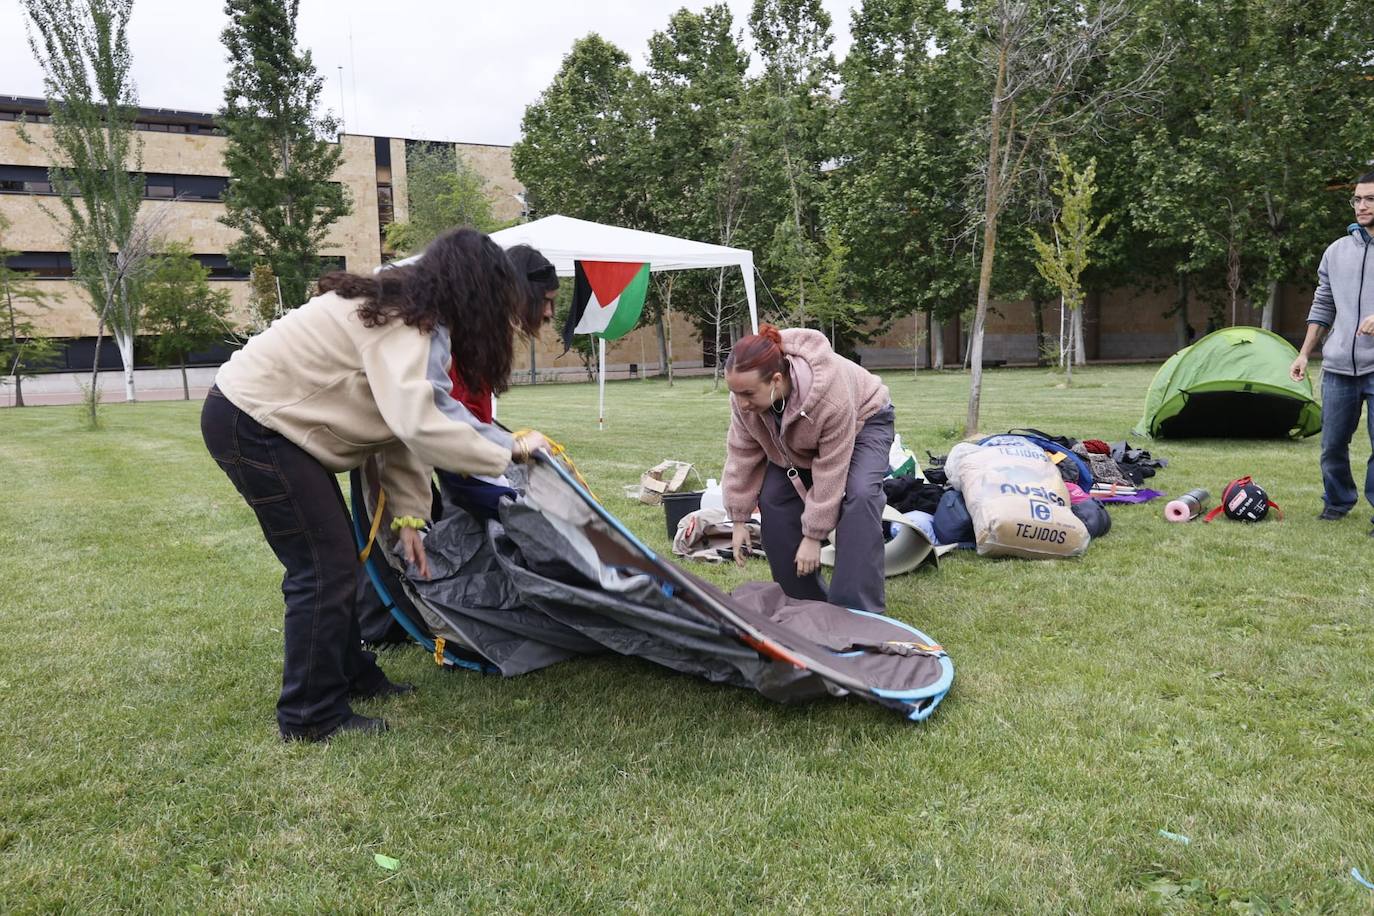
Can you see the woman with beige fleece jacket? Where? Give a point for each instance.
(809, 437)
(361, 370)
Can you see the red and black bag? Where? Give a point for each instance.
(1243, 500)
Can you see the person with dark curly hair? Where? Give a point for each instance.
(361, 370)
(539, 280)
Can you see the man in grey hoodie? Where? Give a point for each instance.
(1343, 310)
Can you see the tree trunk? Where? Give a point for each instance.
(125, 341)
(1181, 310)
(1233, 276)
(1038, 311)
(937, 337)
(534, 346)
(667, 326)
(662, 346)
(915, 344)
(720, 317)
(94, 400)
(185, 385)
(1271, 307)
(991, 205)
(1080, 353)
(14, 340)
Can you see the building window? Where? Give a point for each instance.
(57, 265)
(44, 265)
(31, 179)
(24, 179)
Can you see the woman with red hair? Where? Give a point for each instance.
(810, 433)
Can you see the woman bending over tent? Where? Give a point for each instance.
(538, 282)
(361, 370)
(809, 438)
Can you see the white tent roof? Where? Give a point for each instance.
(564, 240)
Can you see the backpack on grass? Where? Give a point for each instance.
(1243, 500)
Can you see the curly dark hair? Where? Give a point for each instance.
(540, 278)
(464, 282)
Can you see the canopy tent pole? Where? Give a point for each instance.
(747, 268)
(601, 386)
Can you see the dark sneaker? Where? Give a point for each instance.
(1330, 515)
(355, 723)
(383, 690)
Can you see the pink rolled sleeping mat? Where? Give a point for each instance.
(1187, 507)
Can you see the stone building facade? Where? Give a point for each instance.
(183, 161)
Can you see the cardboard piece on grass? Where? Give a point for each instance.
(908, 549)
(664, 477)
(707, 534)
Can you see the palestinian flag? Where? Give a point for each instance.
(608, 297)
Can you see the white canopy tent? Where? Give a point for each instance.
(564, 240)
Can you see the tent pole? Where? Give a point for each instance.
(601, 385)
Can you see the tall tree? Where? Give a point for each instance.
(792, 101)
(23, 346)
(181, 308)
(1265, 114)
(1049, 69)
(694, 168)
(1063, 260)
(83, 49)
(583, 139)
(584, 146)
(442, 191)
(903, 157)
(282, 153)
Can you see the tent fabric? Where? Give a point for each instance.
(565, 240)
(1233, 383)
(556, 576)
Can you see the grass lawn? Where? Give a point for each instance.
(1212, 681)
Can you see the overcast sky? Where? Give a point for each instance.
(424, 69)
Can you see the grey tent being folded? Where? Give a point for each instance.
(554, 576)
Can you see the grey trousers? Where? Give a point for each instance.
(857, 581)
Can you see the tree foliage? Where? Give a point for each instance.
(912, 177)
(23, 346)
(281, 154)
(181, 309)
(442, 191)
(581, 141)
(1062, 261)
(897, 197)
(790, 103)
(1266, 115)
(83, 49)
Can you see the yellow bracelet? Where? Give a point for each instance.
(406, 521)
(521, 449)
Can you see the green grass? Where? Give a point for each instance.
(1213, 681)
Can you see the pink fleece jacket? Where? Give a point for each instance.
(831, 398)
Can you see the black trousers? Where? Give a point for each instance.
(302, 513)
(857, 580)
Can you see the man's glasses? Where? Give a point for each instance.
(1356, 201)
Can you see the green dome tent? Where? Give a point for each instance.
(1233, 383)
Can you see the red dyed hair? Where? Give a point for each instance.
(761, 353)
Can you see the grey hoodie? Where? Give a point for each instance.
(1345, 294)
